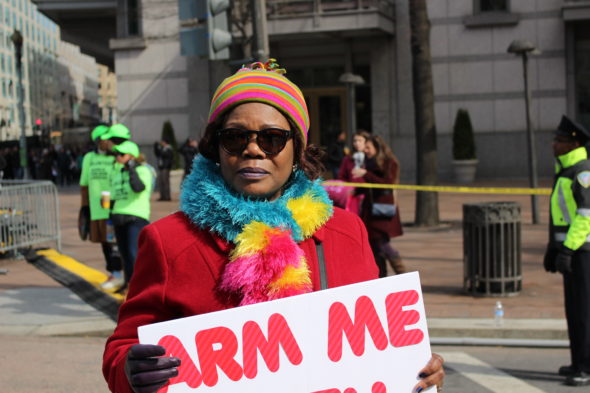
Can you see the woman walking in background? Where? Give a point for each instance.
(356, 159)
(131, 186)
(379, 211)
(348, 197)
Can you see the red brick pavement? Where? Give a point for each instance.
(435, 252)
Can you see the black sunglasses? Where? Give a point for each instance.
(270, 140)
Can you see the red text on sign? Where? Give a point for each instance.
(366, 318)
(217, 348)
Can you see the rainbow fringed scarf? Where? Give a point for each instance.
(266, 262)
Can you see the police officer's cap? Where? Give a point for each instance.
(127, 147)
(99, 131)
(117, 131)
(572, 129)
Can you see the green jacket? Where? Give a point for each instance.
(128, 201)
(570, 201)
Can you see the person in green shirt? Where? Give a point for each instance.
(131, 187)
(97, 167)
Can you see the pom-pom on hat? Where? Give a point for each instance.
(265, 83)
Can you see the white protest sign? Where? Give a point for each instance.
(369, 337)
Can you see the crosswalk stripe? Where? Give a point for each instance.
(486, 375)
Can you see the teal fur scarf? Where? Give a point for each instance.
(211, 204)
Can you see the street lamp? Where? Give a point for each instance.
(17, 40)
(524, 49)
(351, 81)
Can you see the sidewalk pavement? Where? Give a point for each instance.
(31, 303)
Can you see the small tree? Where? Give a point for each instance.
(463, 140)
(168, 135)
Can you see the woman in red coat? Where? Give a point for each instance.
(379, 211)
(356, 159)
(251, 217)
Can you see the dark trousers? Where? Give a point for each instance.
(577, 309)
(383, 251)
(127, 241)
(112, 257)
(164, 184)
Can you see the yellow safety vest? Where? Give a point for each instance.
(570, 201)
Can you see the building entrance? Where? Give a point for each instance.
(327, 112)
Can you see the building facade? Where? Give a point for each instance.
(107, 95)
(39, 54)
(318, 42)
(60, 84)
(78, 88)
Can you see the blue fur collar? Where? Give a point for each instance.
(210, 204)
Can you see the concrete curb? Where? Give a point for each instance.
(100, 327)
(512, 329)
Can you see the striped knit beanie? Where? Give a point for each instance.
(265, 83)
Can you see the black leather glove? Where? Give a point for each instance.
(146, 368)
(549, 259)
(563, 261)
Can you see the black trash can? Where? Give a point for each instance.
(492, 249)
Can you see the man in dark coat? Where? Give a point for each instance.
(165, 155)
(188, 150)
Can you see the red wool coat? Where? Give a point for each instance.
(178, 268)
(377, 227)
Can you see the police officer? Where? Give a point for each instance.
(95, 178)
(568, 251)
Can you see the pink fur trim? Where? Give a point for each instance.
(251, 275)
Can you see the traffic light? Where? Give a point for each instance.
(204, 29)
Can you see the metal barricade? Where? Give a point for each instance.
(492, 248)
(29, 215)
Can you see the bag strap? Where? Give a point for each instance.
(322, 265)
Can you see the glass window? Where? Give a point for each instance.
(2, 65)
(491, 5)
(582, 72)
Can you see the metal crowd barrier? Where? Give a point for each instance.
(29, 215)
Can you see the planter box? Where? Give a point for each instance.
(464, 171)
(175, 180)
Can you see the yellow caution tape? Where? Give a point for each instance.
(472, 190)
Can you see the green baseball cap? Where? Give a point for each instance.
(98, 131)
(117, 131)
(127, 147)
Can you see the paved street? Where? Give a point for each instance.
(72, 365)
